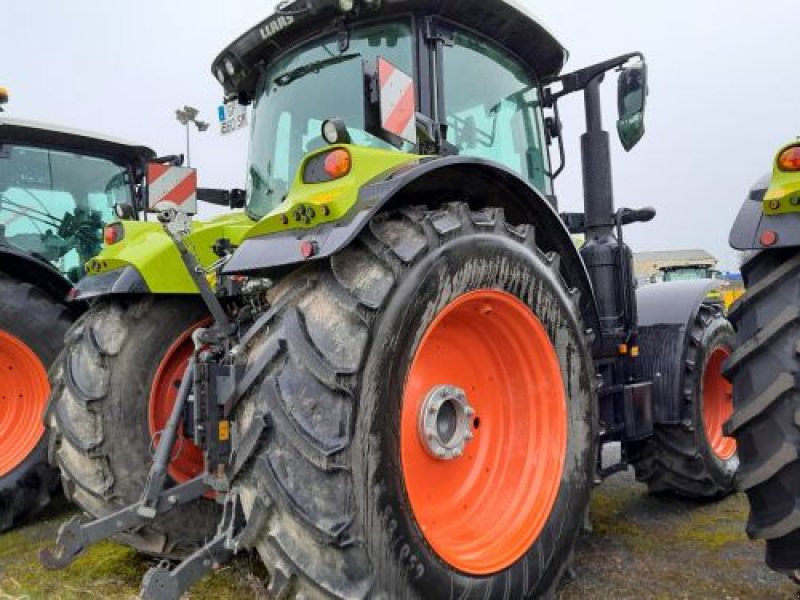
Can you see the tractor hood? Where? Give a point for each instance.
(510, 24)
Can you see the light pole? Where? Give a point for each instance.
(185, 116)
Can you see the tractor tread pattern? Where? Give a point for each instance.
(766, 422)
(785, 320)
(28, 488)
(81, 446)
(672, 461)
(297, 488)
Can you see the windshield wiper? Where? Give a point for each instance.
(314, 67)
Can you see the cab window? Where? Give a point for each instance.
(492, 108)
(53, 204)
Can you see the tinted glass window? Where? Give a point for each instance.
(53, 204)
(492, 108)
(303, 88)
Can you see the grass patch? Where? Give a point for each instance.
(106, 570)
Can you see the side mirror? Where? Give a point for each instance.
(632, 90)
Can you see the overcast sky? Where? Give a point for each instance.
(725, 93)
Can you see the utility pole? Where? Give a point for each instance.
(185, 116)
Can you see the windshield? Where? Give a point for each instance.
(687, 273)
(53, 204)
(299, 91)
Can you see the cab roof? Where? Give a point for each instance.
(46, 135)
(505, 21)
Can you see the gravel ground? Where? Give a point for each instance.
(645, 546)
(641, 546)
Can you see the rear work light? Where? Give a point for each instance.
(789, 159)
(327, 166)
(113, 233)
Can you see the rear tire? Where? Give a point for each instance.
(327, 493)
(99, 415)
(694, 459)
(766, 422)
(32, 328)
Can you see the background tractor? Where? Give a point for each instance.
(764, 367)
(57, 189)
(394, 373)
(690, 272)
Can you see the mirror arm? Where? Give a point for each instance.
(562, 155)
(214, 196)
(578, 80)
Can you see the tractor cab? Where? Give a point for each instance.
(468, 79)
(58, 187)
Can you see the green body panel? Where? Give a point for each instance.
(147, 247)
(332, 200)
(783, 195)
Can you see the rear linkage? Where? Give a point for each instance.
(212, 384)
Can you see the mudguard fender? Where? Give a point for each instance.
(666, 311)
(37, 272)
(751, 222)
(431, 182)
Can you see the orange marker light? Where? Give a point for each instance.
(113, 233)
(789, 160)
(308, 249)
(337, 163)
(768, 238)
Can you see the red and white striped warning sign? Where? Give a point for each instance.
(398, 101)
(171, 187)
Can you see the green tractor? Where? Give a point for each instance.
(57, 189)
(699, 271)
(393, 374)
(764, 366)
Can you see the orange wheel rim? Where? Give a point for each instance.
(187, 459)
(482, 510)
(23, 395)
(717, 404)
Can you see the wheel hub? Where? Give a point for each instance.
(487, 368)
(445, 422)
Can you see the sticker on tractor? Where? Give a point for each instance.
(171, 187)
(398, 103)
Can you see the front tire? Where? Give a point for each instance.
(112, 386)
(696, 459)
(339, 493)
